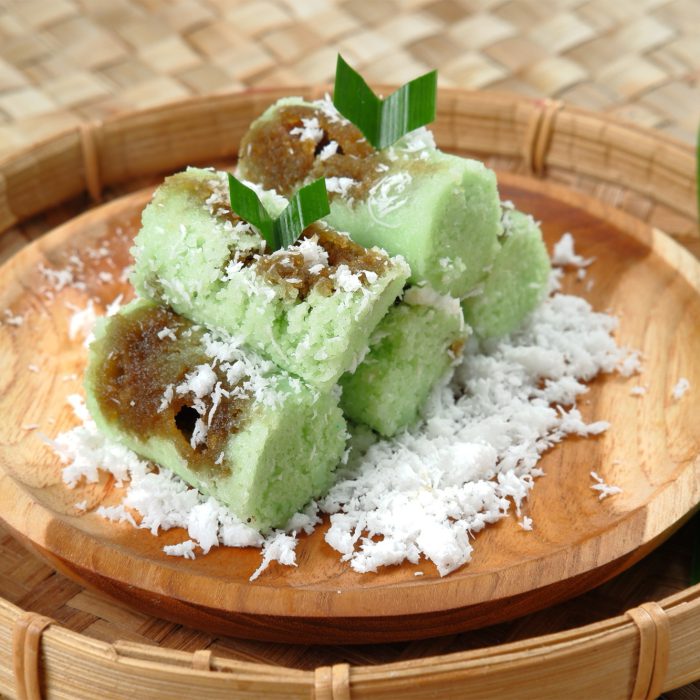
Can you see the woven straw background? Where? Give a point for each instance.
(62, 61)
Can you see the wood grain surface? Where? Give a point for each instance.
(651, 451)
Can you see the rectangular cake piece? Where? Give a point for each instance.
(412, 348)
(439, 211)
(229, 423)
(310, 308)
(517, 282)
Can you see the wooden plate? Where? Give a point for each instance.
(652, 451)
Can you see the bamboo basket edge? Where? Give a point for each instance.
(436, 673)
(95, 155)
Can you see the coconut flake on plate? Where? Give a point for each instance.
(680, 388)
(422, 495)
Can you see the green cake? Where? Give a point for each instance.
(440, 212)
(233, 425)
(413, 347)
(517, 282)
(310, 308)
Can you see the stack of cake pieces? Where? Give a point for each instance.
(238, 366)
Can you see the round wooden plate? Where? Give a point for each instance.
(651, 451)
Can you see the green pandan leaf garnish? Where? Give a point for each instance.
(309, 204)
(384, 122)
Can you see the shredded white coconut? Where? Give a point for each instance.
(167, 397)
(280, 547)
(183, 549)
(310, 131)
(114, 306)
(330, 149)
(117, 514)
(604, 490)
(630, 364)
(477, 451)
(419, 141)
(313, 253)
(340, 185)
(526, 523)
(386, 196)
(82, 321)
(564, 254)
(427, 296)
(166, 332)
(329, 110)
(200, 382)
(422, 494)
(11, 319)
(681, 387)
(345, 279)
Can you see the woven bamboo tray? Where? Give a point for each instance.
(652, 648)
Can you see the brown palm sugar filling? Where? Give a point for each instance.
(280, 160)
(137, 366)
(288, 268)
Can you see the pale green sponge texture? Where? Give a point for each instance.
(517, 282)
(272, 474)
(446, 227)
(409, 355)
(181, 254)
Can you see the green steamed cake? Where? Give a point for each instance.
(310, 308)
(412, 348)
(439, 211)
(517, 282)
(231, 424)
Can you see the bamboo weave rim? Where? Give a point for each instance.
(645, 638)
(651, 648)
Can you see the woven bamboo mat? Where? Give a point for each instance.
(63, 61)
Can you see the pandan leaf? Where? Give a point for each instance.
(384, 122)
(309, 204)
